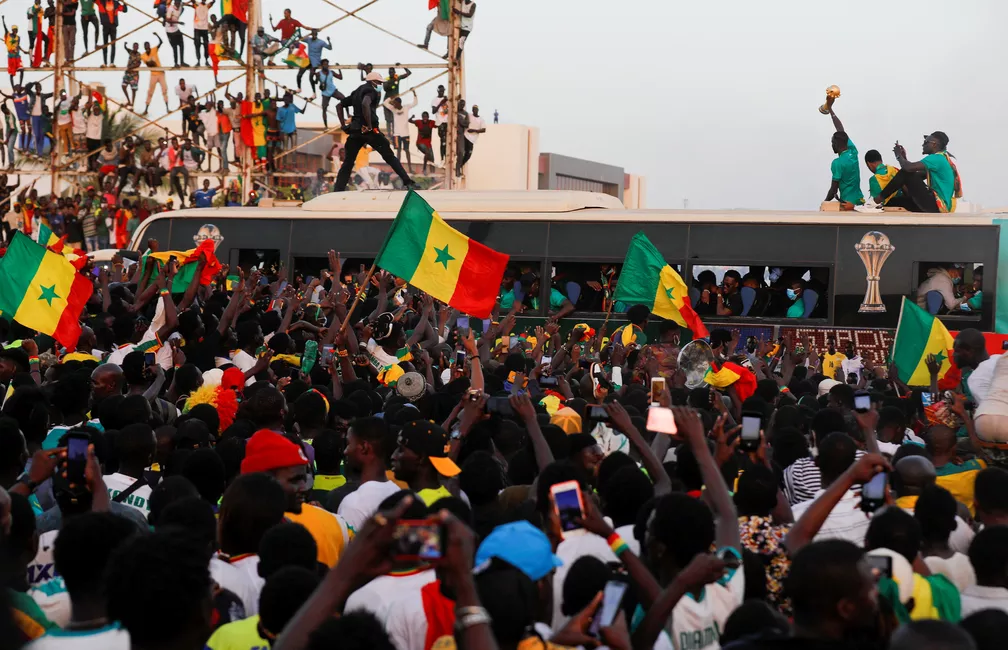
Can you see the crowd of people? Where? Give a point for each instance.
(75, 129)
(245, 460)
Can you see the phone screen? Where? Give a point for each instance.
(549, 381)
(462, 322)
(881, 565)
(499, 405)
(77, 451)
(327, 356)
(417, 540)
(546, 360)
(657, 388)
(927, 399)
(460, 357)
(568, 503)
(862, 402)
(612, 597)
(751, 427)
(598, 413)
(149, 359)
(874, 490)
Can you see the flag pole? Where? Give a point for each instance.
(360, 292)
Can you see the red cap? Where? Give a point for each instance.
(233, 378)
(267, 450)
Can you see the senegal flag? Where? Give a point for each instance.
(434, 257)
(918, 335)
(188, 264)
(443, 7)
(42, 290)
(647, 280)
(732, 374)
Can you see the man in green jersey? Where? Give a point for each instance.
(845, 168)
(88, 17)
(936, 167)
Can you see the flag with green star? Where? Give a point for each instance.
(42, 290)
(646, 279)
(918, 336)
(439, 260)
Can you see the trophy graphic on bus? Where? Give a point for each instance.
(873, 249)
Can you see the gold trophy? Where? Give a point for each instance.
(873, 249)
(831, 94)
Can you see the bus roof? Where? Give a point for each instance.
(574, 206)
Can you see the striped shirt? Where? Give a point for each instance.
(802, 480)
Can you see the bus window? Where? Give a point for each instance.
(518, 277)
(760, 291)
(949, 288)
(588, 285)
(268, 260)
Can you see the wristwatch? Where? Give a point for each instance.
(25, 479)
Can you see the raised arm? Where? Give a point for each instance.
(620, 420)
(837, 124)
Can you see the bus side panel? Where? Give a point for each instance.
(917, 248)
(608, 242)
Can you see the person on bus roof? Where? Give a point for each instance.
(882, 175)
(846, 171)
(943, 183)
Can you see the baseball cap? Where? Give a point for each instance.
(428, 439)
(268, 450)
(826, 384)
(374, 75)
(521, 545)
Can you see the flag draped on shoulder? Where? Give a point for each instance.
(42, 290)
(646, 279)
(439, 260)
(919, 335)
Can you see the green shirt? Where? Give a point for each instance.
(976, 301)
(847, 172)
(941, 179)
(557, 299)
(507, 299)
(87, 7)
(797, 308)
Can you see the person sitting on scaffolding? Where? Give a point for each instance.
(218, 49)
(263, 46)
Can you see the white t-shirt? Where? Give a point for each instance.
(110, 637)
(466, 22)
(980, 380)
(173, 14)
(359, 505)
(957, 569)
(209, 120)
(406, 623)
(244, 362)
(379, 595)
(93, 131)
(475, 123)
(400, 117)
(977, 598)
(846, 521)
(139, 500)
(698, 623)
(855, 365)
(63, 112)
(45, 587)
(440, 114)
(79, 121)
(202, 19)
(241, 577)
(569, 550)
(184, 93)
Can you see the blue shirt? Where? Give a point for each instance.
(204, 198)
(327, 83)
(315, 47)
(285, 116)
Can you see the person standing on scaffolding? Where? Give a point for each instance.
(363, 131)
(109, 11)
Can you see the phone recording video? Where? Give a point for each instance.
(612, 598)
(326, 357)
(149, 359)
(749, 438)
(77, 455)
(549, 382)
(568, 504)
(500, 406)
(873, 492)
(862, 402)
(460, 357)
(881, 565)
(598, 413)
(418, 540)
(657, 389)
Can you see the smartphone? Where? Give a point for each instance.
(462, 322)
(546, 360)
(598, 413)
(473, 395)
(568, 504)
(862, 402)
(612, 598)
(657, 389)
(325, 360)
(499, 405)
(148, 359)
(927, 399)
(418, 540)
(873, 492)
(731, 560)
(749, 438)
(548, 381)
(77, 454)
(881, 565)
(460, 358)
(617, 376)
(513, 342)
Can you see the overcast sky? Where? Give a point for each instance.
(714, 102)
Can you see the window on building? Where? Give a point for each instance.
(950, 288)
(265, 259)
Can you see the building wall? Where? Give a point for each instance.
(504, 158)
(559, 172)
(635, 192)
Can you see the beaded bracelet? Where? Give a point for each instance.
(33, 360)
(617, 544)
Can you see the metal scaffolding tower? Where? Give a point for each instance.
(63, 167)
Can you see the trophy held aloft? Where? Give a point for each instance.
(831, 95)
